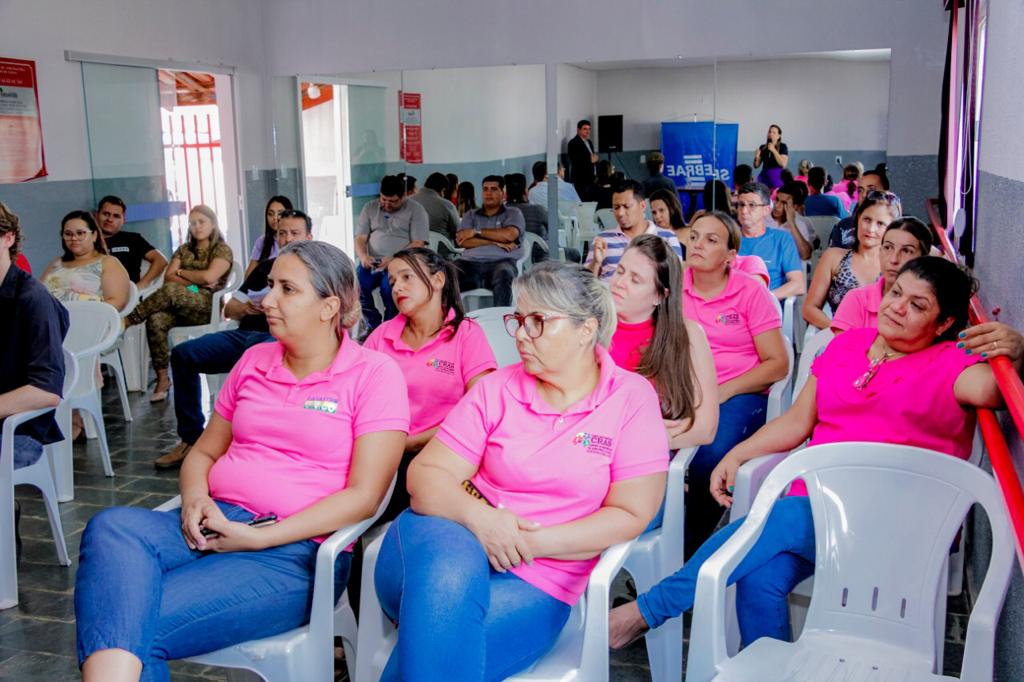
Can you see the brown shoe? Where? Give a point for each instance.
(174, 458)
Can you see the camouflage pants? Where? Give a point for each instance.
(172, 305)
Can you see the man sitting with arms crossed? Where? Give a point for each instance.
(31, 359)
(628, 205)
(217, 353)
(492, 237)
(131, 248)
(386, 226)
(775, 247)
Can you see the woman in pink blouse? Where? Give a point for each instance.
(908, 382)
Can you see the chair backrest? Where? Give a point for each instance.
(585, 217)
(502, 345)
(605, 219)
(94, 328)
(779, 395)
(529, 241)
(435, 240)
(884, 518)
(822, 225)
(812, 349)
(133, 300)
(217, 302)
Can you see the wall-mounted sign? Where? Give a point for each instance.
(410, 127)
(21, 132)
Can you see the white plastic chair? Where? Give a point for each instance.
(579, 653)
(134, 351)
(585, 219)
(305, 654)
(94, 329)
(502, 345)
(656, 555)
(873, 610)
(529, 241)
(113, 357)
(41, 476)
(474, 296)
(436, 240)
(780, 394)
(605, 219)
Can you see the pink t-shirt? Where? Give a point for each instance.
(731, 320)
(859, 308)
(292, 440)
(556, 468)
(629, 343)
(910, 400)
(752, 265)
(437, 373)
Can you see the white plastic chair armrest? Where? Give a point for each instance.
(598, 596)
(171, 504)
(748, 481)
(675, 509)
(13, 422)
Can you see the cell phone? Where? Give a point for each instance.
(258, 522)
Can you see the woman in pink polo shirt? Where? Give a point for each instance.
(842, 270)
(540, 468)
(905, 239)
(306, 437)
(743, 326)
(440, 351)
(653, 339)
(908, 382)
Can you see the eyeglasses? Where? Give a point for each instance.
(74, 235)
(534, 323)
(740, 206)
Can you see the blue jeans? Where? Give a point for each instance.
(738, 418)
(368, 281)
(458, 618)
(213, 353)
(780, 559)
(140, 588)
(27, 451)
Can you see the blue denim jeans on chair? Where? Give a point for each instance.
(458, 619)
(140, 588)
(213, 353)
(738, 418)
(368, 281)
(780, 559)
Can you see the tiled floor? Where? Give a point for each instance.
(37, 638)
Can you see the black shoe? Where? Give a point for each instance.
(17, 535)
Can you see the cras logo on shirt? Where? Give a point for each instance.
(727, 319)
(594, 444)
(326, 404)
(443, 366)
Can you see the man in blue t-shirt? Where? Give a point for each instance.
(774, 246)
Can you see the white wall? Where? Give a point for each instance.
(819, 103)
(1002, 144)
(576, 99)
(222, 32)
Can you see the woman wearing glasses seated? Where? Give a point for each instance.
(440, 351)
(85, 272)
(842, 270)
(907, 382)
(540, 468)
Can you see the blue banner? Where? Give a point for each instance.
(698, 152)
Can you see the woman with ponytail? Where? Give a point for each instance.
(441, 352)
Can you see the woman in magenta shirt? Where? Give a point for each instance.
(541, 467)
(908, 382)
(743, 326)
(905, 239)
(309, 429)
(653, 339)
(440, 351)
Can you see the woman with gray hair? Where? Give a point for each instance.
(305, 439)
(541, 467)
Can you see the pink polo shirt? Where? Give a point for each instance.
(859, 308)
(731, 320)
(292, 440)
(555, 468)
(437, 373)
(629, 343)
(910, 400)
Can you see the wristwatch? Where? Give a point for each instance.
(477, 232)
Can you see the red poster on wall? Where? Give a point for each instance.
(21, 131)
(410, 127)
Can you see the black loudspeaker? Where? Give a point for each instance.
(609, 133)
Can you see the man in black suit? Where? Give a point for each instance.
(582, 159)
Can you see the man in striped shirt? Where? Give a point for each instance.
(628, 205)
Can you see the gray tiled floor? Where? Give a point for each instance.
(37, 638)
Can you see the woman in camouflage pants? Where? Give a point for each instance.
(197, 269)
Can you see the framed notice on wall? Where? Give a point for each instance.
(410, 127)
(21, 132)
